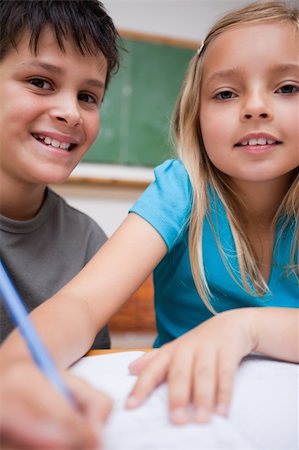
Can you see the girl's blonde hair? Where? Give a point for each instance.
(202, 173)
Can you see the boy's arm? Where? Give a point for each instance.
(200, 366)
(69, 321)
(67, 324)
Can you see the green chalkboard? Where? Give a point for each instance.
(136, 113)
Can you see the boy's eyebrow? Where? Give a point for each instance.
(46, 66)
(59, 71)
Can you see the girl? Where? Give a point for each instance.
(220, 225)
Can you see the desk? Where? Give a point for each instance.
(116, 350)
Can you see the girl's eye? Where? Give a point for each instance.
(225, 95)
(87, 98)
(288, 89)
(40, 83)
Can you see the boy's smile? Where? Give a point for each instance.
(249, 102)
(50, 110)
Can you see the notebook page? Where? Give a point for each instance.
(264, 394)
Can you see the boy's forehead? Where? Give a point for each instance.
(61, 59)
(48, 38)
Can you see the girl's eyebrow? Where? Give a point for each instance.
(285, 68)
(235, 72)
(278, 69)
(59, 71)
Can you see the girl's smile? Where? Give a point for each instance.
(257, 143)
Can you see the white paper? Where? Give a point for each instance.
(263, 415)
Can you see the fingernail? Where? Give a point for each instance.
(201, 415)
(179, 415)
(221, 409)
(132, 402)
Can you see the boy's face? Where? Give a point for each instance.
(49, 113)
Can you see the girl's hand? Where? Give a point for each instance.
(34, 415)
(199, 367)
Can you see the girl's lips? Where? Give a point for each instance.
(259, 138)
(258, 149)
(257, 143)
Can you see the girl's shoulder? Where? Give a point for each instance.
(172, 176)
(171, 167)
(166, 203)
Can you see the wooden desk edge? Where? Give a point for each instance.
(116, 350)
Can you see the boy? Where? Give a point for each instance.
(56, 59)
(48, 122)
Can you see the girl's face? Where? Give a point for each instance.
(249, 110)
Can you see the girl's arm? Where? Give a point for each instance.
(69, 321)
(200, 366)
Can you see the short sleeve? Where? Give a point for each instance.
(166, 203)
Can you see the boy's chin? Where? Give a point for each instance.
(57, 176)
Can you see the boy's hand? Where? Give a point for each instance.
(34, 415)
(199, 367)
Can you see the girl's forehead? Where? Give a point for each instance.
(251, 44)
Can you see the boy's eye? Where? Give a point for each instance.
(40, 83)
(88, 98)
(225, 95)
(288, 89)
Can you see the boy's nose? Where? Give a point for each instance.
(256, 106)
(67, 112)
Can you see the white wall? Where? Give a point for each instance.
(107, 206)
(186, 19)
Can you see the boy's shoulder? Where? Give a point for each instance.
(70, 216)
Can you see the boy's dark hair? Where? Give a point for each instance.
(85, 21)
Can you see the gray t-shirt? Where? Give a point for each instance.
(42, 254)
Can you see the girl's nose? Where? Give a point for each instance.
(256, 106)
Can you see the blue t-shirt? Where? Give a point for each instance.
(166, 205)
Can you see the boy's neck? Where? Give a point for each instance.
(21, 202)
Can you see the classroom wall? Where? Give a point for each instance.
(183, 19)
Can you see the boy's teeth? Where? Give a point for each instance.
(54, 143)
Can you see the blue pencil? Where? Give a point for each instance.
(18, 314)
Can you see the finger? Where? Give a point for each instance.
(227, 368)
(136, 366)
(43, 420)
(92, 403)
(179, 386)
(204, 386)
(153, 374)
(30, 420)
(31, 434)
